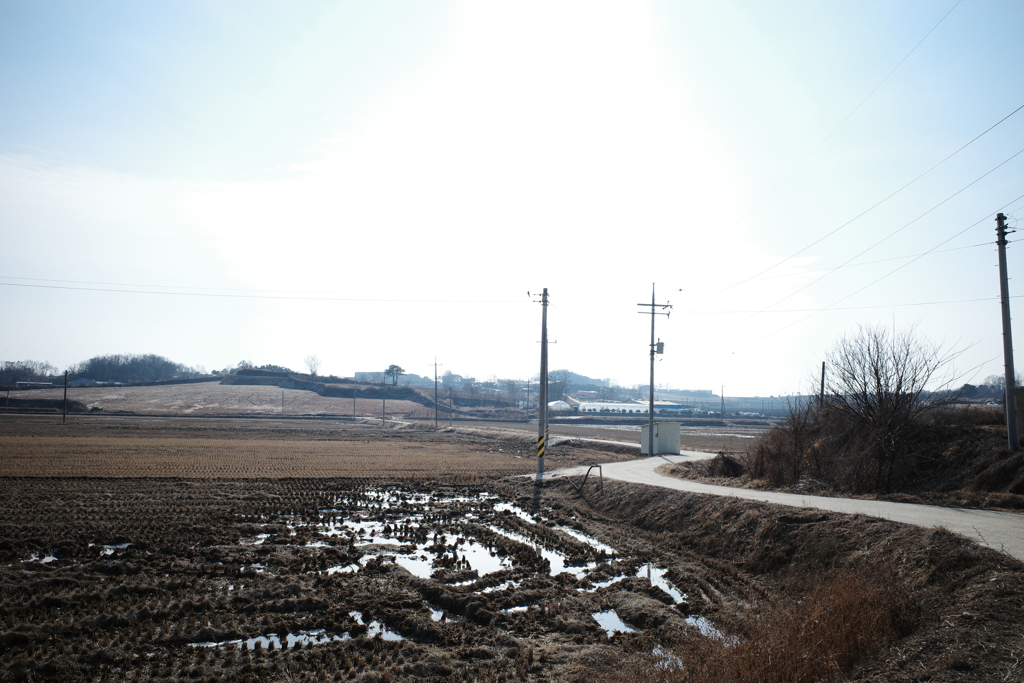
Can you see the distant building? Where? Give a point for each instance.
(641, 408)
(559, 405)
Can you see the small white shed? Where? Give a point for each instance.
(666, 438)
(559, 405)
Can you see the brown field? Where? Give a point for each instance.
(226, 449)
(209, 550)
(214, 399)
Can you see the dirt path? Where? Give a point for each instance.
(1002, 531)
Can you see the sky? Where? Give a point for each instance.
(378, 183)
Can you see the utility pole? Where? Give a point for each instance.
(353, 404)
(384, 404)
(450, 407)
(282, 403)
(1012, 432)
(542, 389)
(656, 347)
(435, 393)
(64, 416)
(721, 411)
(821, 392)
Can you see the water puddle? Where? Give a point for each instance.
(375, 628)
(611, 623)
(657, 578)
(667, 661)
(516, 510)
(111, 549)
(515, 610)
(555, 559)
(592, 542)
(709, 630)
(418, 566)
(501, 587)
(438, 615)
(258, 540)
(272, 640)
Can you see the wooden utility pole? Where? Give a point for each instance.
(435, 393)
(542, 390)
(1010, 403)
(821, 392)
(384, 403)
(656, 347)
(64, 415)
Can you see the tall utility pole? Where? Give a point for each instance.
(542, 389)
(64, 415)
(656, 347)
(435, 393)
(721, 412)
(821, 391)
(1012, 433)
(384, 404)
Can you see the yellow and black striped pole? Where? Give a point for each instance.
(542, 420)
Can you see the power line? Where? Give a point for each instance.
(860, 308)
(858, 255)
(261, 296)
(870, 284)
(839, 267)
(875, 205)
(843, 122)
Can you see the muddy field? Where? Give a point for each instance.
(487, 578)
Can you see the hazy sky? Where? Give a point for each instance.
(380, 183)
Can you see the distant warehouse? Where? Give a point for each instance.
(601, 407)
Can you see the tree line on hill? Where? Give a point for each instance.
(122, 367)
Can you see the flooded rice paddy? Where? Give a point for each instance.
(216, 580)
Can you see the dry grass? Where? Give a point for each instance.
(848, 617)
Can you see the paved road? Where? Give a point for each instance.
(1003, 531)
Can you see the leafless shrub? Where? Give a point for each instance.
(867, 432)
(876, 386)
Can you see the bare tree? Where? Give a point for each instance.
(512, 390)
(312, 364)
(450, 380)
(559, 384)
(877, 383)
